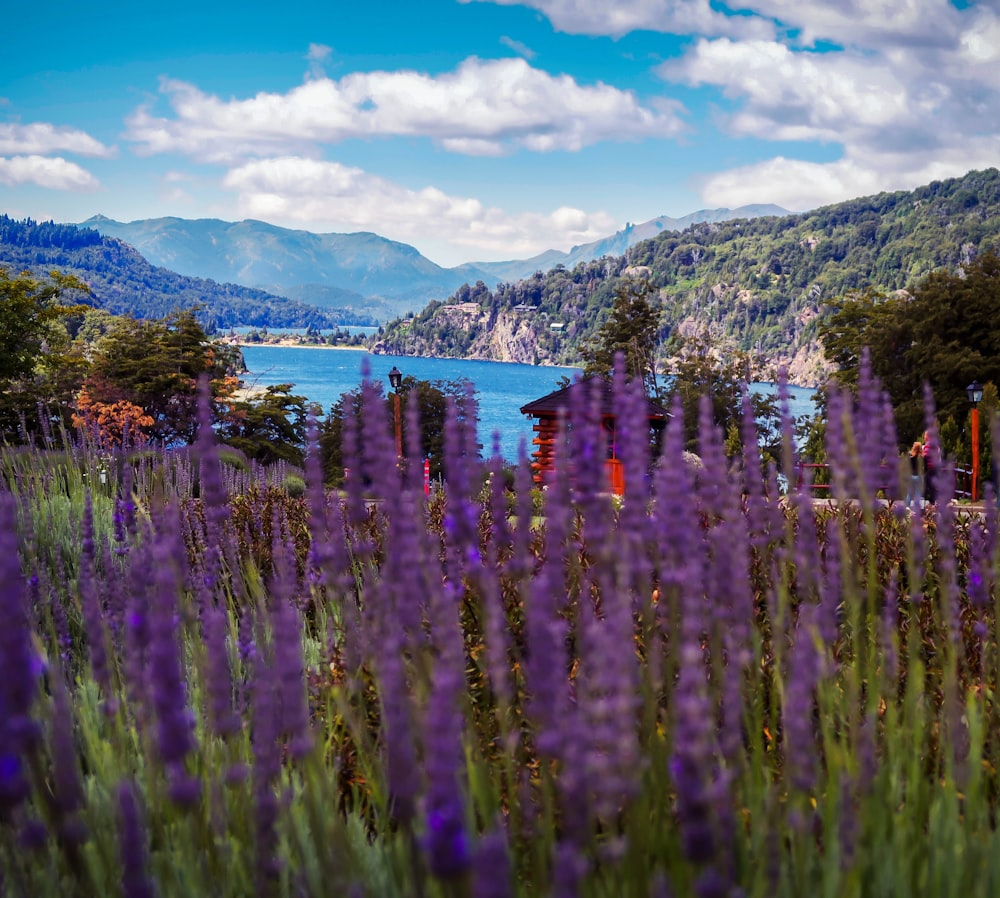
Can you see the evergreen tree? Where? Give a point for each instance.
(632, 329)
(946, 335)
(39, 368)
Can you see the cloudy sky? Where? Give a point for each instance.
(487, 129)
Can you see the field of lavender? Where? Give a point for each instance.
(210, 685)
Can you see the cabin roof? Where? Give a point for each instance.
(550, 405)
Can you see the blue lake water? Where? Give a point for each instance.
(323, 375)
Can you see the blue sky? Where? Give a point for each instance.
(487, 129)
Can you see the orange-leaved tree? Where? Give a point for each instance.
(112, 424)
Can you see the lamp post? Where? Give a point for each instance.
(975, 394)
(396, 379)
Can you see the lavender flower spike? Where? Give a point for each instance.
(18, 667)
(134, 852)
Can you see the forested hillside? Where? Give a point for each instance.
(759, 285)
(122, 281)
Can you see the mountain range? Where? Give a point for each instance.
(748, 279)
(361, 272)
(122, 281)
(763, 286)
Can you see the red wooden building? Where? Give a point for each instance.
(546, 412)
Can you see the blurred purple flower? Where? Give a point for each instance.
(93, 613)
(397, 732)
(607, 696)
(133, 845)
(692, 761)
(19, 733)
(492, 864)
(67, 795)
(174, 717)
(218, 674)
(266, 735)
(286, 648)
(545, 658)
(446, 839)
(799, 729)
(569, 868)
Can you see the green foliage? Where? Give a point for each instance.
(268, 426)
(632, 330)
(37, 364)
(944, 335)
(123, 282)
(696, 371)
(431, 398)
(760, 285)
(156, 365)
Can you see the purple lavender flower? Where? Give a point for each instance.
(266, 721)
(214, 498)
(798, 711)
(692, 760)
(869, 430)
(488, 581)
(286, 646)
(492, 864)
(218, 675)
(545, 661)
(446, 840)
(67, 790)
(19, 667)
(136, 882)
(175, 720)
(569, 868)
(890, 634)
(607, 695)
(93, 614)
(397, 732)
(324, 549)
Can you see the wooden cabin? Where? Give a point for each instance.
(546, 412)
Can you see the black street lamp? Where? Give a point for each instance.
(975, 394)
(396, 379)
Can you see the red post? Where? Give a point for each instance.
(427, 476)
(974, 490)
(399, 425)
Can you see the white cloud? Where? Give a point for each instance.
(788, 95)
(318, 56)
(619, 17)
(799, 185)
(307, 192)
(483, 107)
(519, 48)
(872, 23)
(901, 116)
(54, 173)
(41, 138)
(847, 22)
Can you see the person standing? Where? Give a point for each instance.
(930, 471)
(913, 492)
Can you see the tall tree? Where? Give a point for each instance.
(696, 368)
(432, 398)
(945, 335)
(269, 426)
(36, 361)
(632, 328)
(155, 365)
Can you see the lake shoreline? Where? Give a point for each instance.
(291, 344)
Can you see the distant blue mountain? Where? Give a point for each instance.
(322, 269)
(360, 271)
(615, 245)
